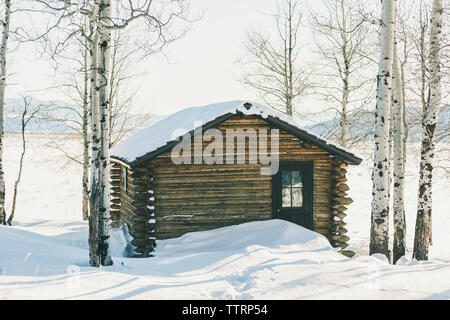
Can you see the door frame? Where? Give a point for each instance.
(308, 185)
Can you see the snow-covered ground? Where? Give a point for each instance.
(44, 256)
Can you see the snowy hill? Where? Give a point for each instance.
(45, 126)
(364, 125)
(14, 107)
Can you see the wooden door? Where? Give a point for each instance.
(292, 193)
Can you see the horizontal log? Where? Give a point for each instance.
(239, 178)
(343, 201)
(211, 185)
(142, 243)
(212, 202)
(282, 150)
(233, 208)
(322, 215)
(340, 165)
(223, 174)
(323, 164)
(347, 253)
(116, 183)
(171, 168)
(339, 224)
(204, 218)
(342, 245)
(340, 238)
(324, 180)
(144, 251)
(322, 224)
(141, 219)
(339, 194)
(139, 181)
(286, 155)
(320, 199)
(340, 215)
(194, 195)
(338, 174)
(199, 226)
(115, 164)
(339, 209)
(115, 194)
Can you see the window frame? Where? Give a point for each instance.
(291, 187)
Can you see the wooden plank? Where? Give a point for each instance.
(208, 194)
(234, 208)
(211, 202)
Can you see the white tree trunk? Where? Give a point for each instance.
(289, 67)
(104, 106)
(379, 232)
(399, 247)
(85, 131)
(345, 78)
(95, 141)
(429, 121)
(22, 155)
(3, 49)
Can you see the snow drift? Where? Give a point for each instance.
(272, 259)
(270, 234)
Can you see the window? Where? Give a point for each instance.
(291, 188)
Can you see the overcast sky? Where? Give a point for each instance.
(202, 68)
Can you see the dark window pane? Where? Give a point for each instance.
(286, 197)
(296, 179)
(286, 178)
(297, 197)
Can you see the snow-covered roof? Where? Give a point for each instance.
(165, 133)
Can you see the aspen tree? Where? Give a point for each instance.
(379, 231)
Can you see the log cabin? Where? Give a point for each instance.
(186, 173)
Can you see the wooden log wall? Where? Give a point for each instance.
(116, 175)
(322, 176)
(133, 206)
(194, 197)
(339, 203)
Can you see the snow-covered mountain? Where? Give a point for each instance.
(45, 122)
(43, 125)
(13, 112)
(364, 125)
